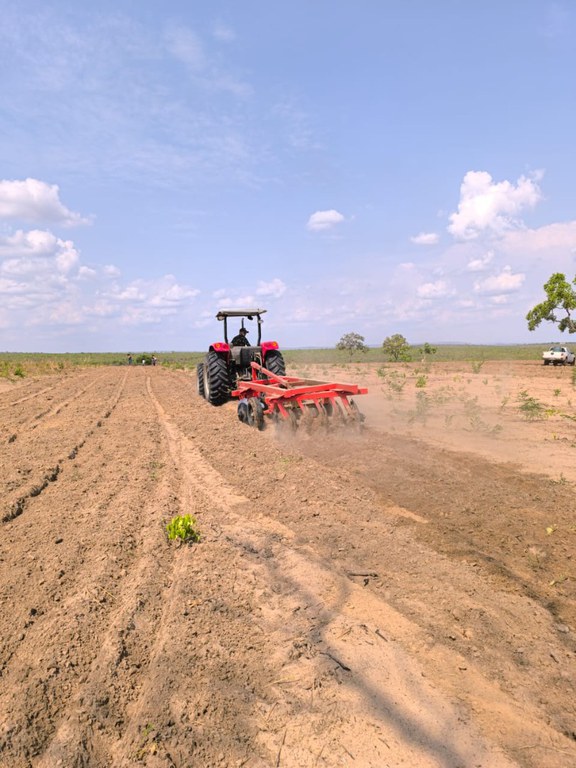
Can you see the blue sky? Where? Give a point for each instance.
(372, 166)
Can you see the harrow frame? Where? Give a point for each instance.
(291, 398)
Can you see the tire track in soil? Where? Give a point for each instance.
(31, 396)
(17, 507)
(34, 421)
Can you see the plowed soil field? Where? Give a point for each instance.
(402, 596)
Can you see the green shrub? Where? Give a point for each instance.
(531, 408)
(183, 527)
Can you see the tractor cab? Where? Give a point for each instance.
(243, 314)
(230, 361)
(245, 347)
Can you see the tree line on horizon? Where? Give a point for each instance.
(557, 308)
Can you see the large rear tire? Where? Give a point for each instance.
(216, 379)
(275, 363)
(200, 380)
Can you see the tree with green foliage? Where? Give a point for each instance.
(397, 348)
(352, 342)
(427, 350)
(560, 297)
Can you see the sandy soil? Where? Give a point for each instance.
(401, 597)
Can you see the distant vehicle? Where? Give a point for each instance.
(558, 355)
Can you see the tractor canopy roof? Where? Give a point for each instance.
(248, 313)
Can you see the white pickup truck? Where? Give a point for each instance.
(558, 355)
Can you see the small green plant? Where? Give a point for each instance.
(421, 381)
(420, 414)
(531, 408)
(477, 365)
(396, 381)
(184, 528)
(19, 371)
(557, 392)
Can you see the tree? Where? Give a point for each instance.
(427, 351)
(560, 296)
(397, 348)
(352, 342)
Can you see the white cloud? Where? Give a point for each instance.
(87, 273)
(33, 243)
(436, 290)
(553, 236)
(274, 288)
(168, 293)
(38, 253)
(322, 220)
(67, 257)
(487, 206)
(481, 263)
(426, 238)
(35, 201)
(504, 282)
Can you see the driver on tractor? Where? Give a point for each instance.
(240, 339)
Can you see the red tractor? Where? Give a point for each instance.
(229, 362)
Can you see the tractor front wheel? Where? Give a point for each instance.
(216, 379)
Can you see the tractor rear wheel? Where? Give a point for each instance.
(216, 379)
(200, 380)
(275, 363)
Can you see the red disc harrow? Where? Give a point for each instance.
(298, 401)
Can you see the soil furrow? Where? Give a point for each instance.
(21, 490)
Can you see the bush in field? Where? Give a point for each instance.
(397, 348)
(531, 408)
(143, 359)
(184, 528)
(427, 350)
